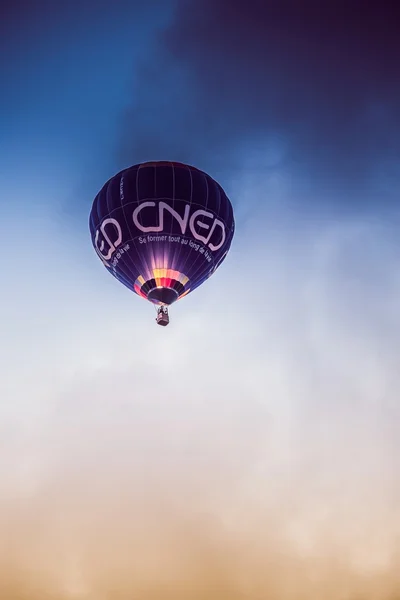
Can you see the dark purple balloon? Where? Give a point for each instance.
(162, 228)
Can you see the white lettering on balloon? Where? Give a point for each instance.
(115, 231)
(184, 222)
(108, 237)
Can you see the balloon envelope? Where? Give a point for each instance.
(161, 228)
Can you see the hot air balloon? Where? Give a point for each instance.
(161, 228)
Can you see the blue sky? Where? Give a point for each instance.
(251, 447)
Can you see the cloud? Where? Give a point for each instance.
(324, 82)
(249, 450)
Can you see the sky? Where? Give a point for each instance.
(251, 449)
